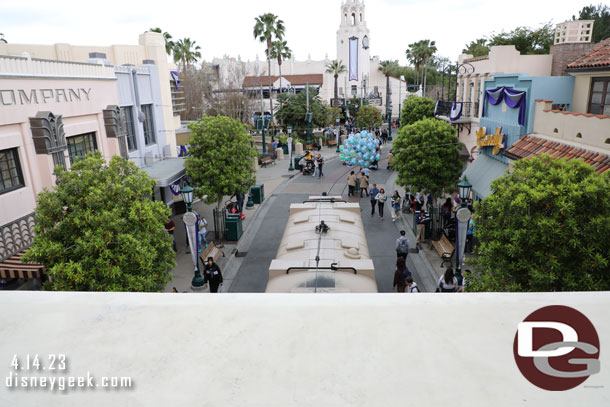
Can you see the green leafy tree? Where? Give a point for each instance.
(388, 68)
(268, 27)
(368, 117)
(545, 228)
(601, 15)
(526, 40)
(426, 156)
(335, 68)
(187, 52)
(294, 106)
(169, 44)
(98, 229)
(220, 159)
(416, 108)
(477, 48)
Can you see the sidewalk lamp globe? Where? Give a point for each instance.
(464, 188)
(187, 196)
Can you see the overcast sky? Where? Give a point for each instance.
(225, 27)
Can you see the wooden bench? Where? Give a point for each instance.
(332, 143)
(212, 251)
(444, 248)
(267, 160)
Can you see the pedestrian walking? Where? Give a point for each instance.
(400, 275)
(395, 206)
(402, 245)
(411, 286)
(381, 198)
(448, 282)
(390, 158)
(212, 275)
(364, 184)
(316, 166)
(320, 165)
(470, 236)
(351, 183)
(202, 229)
(421, 224)
(170, 227)
(373, 195)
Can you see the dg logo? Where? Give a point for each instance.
(556, 348)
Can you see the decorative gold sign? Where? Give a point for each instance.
(494, 140)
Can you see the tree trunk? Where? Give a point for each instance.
(269, 77)
(388, 97)
(336, 89)
(279, 63)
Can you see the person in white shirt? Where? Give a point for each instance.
(448, 282)
(411, 286)
(381, 198)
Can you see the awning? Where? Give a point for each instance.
(464, 153)
(14, 268)
(481, 172)
(166, 171)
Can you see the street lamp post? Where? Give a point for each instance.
(190, 220)
(289, 141)
(462, 217)
(402, 78)
(338, 130)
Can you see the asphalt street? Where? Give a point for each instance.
(252, 274)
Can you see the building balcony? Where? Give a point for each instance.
(456, 112)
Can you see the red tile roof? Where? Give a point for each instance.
(255, 81)
(598, 58)
(530, 146)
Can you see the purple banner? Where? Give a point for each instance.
(353, 59)
(513, 98)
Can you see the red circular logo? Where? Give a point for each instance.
(556, 348)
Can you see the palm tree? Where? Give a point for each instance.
(336, 68)
(280, 50)
(186, 51)
(388, 68)
(266, 27)
(415, 56)
(428, 50)
(169, 44)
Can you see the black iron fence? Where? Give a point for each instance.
(469, 109)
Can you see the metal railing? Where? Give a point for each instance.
(469, 109)
(16, 236)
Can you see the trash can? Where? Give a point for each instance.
(233, 227)
(298, 166)
(285, 148)
(258, 193)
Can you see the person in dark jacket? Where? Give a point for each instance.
(212, 275)
(400, 275)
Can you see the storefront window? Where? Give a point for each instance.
(79, 146)
(127, 125)
(600, 96)
(149, 128)
(11, 177)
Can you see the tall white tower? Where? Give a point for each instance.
(353, 45)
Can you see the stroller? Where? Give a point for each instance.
(231, 207)
(408, 203)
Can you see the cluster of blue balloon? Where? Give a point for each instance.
(360, 149)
